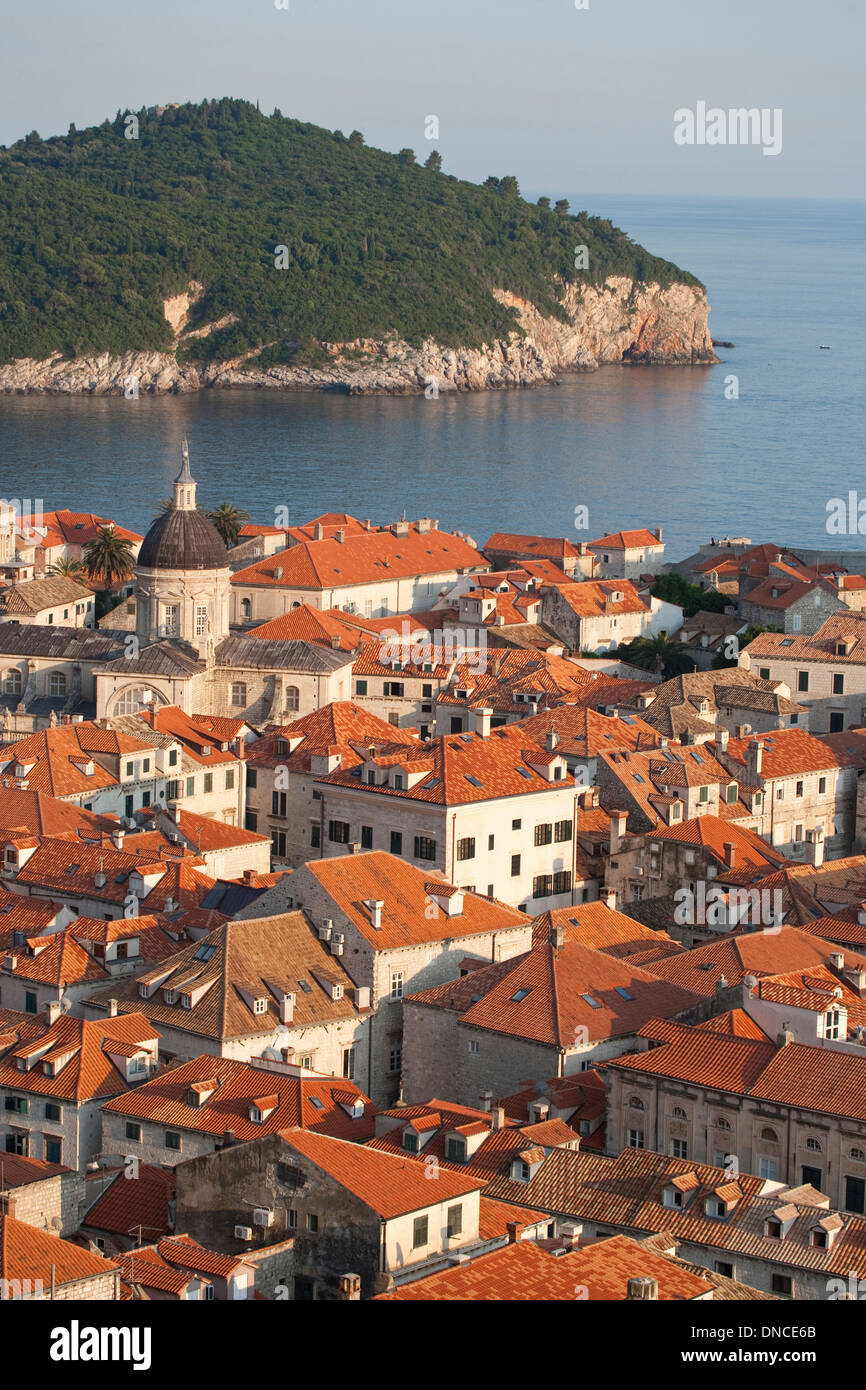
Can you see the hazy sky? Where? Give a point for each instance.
(566, 99)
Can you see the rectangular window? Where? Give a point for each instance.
(130, 769)
(543, 834)
(30, 1006)
(425, 848)
(128, 805)
(516, 824)
(855, 1195)
(783, 1285)
(360, 687)
(679, 1148)
(349, 1063)
(562, 881)
(397, 984)
(798, 789)
(396, 842)
(278, 843)
(292, 1219)
(312, 1222)
(338, 832)
(635, 1138)
(839, 684)
(52, 1111)
(473, 1048)
(145, 799)
(201, 623)
(395, 1057)
(252, 777)
(455, 1220)
(426, 692)
(53, 1150)
(703, 794)
(490, 841)
(19, 1105)
(190, 786)
(251, 820)
(172, 757)
(208, 783)
(172, 791)
(315, 835)
(279, 803)
(803, 680)
(542, 886)
(822, 785)
(172, 1139)
(515, 865)
(419, 1232)
(230, 779)
(562, 831)
(394, 688)
(366, 837)
(465, 849)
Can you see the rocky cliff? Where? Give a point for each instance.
(621, 323)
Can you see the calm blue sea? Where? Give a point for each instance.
(637, 446)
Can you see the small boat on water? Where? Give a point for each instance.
(825, 347)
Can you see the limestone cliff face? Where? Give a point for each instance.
(621, 323)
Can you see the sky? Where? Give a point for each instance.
(567, 99)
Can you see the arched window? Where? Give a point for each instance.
(57, 683)
(12, 683)
(723, 1124)
(134, 698)
(858, 1155)
(813, 1146)
(296, 605)
(678, 1113)
(293, 697)
(636, 1103)
(239, 694)
(770, 1136)
(246, 608)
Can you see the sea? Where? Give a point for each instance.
(759, 445)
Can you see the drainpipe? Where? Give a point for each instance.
(574, 849)
(322, 828)
(450, 876)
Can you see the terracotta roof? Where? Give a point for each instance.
(410, 914)
(362, 559)
(165, 1100)
(756, 953)
(542, 547)
(561, 997)
(785, 753)
(735, 1022)
(74, 528)
(337, 726)
(53, 867)
(311, 625)
(712, 834)
(89, 1072)
(27, 1253)
(38, 594)
(594, 598)
(206, 833)
(18, 1171)
(461, 768)
(525, 1271)
(821, 646)
(627, 540)
(602, 928)
(389, 1185)
(128, 1204)
(200, 742)
(267, 954)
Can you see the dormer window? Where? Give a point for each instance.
(410, 1141)
(282, 748)
(455, 1149)
(773, 1229)
(260, 1006)
(818, 1238)
(832, 1024)
(170, 996)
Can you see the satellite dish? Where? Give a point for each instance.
(56, 1223)
(272, 1054)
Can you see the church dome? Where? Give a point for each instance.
(183, 540)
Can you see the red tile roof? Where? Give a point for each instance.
(165, 1100)
(309, 624)
(362, 559)
(595, 598)
(410, 915)
(27, 1253)
(389, 1185)
(627, 540)
(89, 1073)
(136, 1202)
(337, 726)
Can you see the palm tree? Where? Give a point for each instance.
(166, 505)
(657, 653)
(108, 557)
(228, 520)
(70, 569)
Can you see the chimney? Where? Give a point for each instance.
(486, 1099)
(618, 823)
(658, 533)
(512, 1227)
(642, 1287)
(498, 1115)
(608, 897)
(287, 1007)
(52, 1011)
(551, 740)
(837, 960)
(340, 536)
(362, 996)
(240, 750)
(349, 1288)
(335, 645)
(112, 1008)
(117, 838)
(376, 913)
(570, 1235)
(723, 740)
(817, 846)
(483, 716)
(755, 757)
(557, 937)
(785, 1038)
(318, 531)
(730, 855)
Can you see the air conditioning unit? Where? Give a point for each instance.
(326, 929)
(337, 943)
(243, 1232)
(263, 1216)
